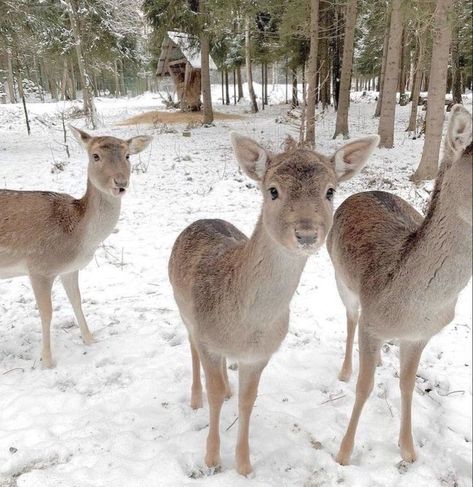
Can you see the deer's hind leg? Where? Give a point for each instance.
(352, 305)
(196, 390)
(410, 357)
(369, 351)
(228, 389)
(71, 285)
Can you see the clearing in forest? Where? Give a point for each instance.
(156, 116)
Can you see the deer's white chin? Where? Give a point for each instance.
(118, 192)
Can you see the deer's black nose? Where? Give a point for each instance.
(121, 183)
(306, 237)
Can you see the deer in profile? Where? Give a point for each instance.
(46, 235)
(233, 293)
(399, 274)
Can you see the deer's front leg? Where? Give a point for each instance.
(369, 351)
(410, 357)
(249, 377)
(42, 287)
(71, 286)
(215, 383)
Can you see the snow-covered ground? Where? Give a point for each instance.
(117, 413)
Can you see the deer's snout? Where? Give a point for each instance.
(306, 236)
(121, 182)
(309, 235)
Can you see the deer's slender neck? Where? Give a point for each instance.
(439, 262)
(269, 274)
(100, 212)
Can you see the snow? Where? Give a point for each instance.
(117, 413)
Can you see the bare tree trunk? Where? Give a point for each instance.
(336, 55)
(205, 79)
(402, 68)
(227, 89)
(377, 111)
(262, 86)
(73, 81)
(234, 88)
(64, 80)
(312, 74)
(116, 78)
(456, 78)
(10, 78)
(121, 72)
(249, 74)
(341, 125)
(295, 95)
(421, 46)
(388, 105)
(434, 118)
(239, 83)
(89, 108)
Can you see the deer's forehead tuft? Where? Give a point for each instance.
(109, 144)
(303, 167)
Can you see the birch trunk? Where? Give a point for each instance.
(205, 70)
(341, 125)
(377, 111)
(388, 104)
(10, 78)
(89, 109)
(434, 118)
(417, 82)
(249, 74)
(312, 74)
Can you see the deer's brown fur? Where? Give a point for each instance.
(233, 293)
(403, 272)
(45, 235)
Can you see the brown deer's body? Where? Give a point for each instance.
(403, 271)
(45, 235)
(233, 293)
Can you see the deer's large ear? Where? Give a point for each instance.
(138, 143)
(459, 128)
(250, 155)
(350, 159)
(82, 137)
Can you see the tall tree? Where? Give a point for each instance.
(456, 74)
(382, 72)
(434, 118)
(89, 107)
(205, 65)
(312, 73)
(249, 72)
(418, 69)
(341, 125)
(391, 76)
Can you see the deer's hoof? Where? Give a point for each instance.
(244, 468)
(48, 363)
(88, 339)
(344, 375)
(408, 455)
(343, 456)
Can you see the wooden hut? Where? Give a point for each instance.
(180, 59)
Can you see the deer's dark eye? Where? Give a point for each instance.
(330, 194)
(96, 157)
(127, 157)
(274, 193)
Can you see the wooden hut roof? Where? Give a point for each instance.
(177, 45)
